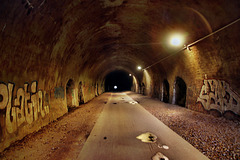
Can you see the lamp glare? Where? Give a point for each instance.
(176, 40)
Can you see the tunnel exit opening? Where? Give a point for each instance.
(118, 81)
(179, 92)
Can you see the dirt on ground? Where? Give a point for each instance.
(62, 139)
(216, 137)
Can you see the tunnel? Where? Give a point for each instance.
(118, 81)
(62, 56)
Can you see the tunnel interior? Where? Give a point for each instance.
(118, 81)
(77, 50)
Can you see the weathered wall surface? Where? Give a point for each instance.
(24, 110)
(35, 68)
(210, 69)
(212, 81)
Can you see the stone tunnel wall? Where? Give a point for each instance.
(35, 68)
(210, 70)
(28, 107)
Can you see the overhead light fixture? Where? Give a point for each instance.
(177, 40)
(139, 67)
(115, 87)
(130, 75)
(187, 47)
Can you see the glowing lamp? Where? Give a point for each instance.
(177, 40)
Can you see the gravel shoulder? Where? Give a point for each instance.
(217, 138)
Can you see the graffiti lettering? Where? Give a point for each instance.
(11, 111)
(25, 107)
(19, 104)
(216, 94)
(3, 96)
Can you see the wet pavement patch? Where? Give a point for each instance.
(147, 137)
(159, 156)
(133, 102)
(163, 146)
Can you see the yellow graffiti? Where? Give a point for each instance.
(25, 107)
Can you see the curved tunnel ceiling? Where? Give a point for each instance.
(125, 36)
(106, 35)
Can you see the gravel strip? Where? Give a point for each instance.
(217, 138)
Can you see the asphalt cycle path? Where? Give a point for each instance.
(126, 131)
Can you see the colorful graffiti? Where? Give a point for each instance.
(216, 94)
(59, 92)
(26, 106)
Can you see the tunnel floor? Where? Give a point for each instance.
(217, 138)
(122, 120)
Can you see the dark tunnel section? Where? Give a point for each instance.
(118, 81)
(180, 92)
(165, 91)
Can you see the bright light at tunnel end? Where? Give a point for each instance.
(115, 87)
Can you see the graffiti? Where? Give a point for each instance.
(216, 94)
(24, 107)
(59, 92)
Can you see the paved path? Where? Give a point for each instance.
(122, 120)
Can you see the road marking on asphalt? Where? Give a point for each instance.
(133, 102)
